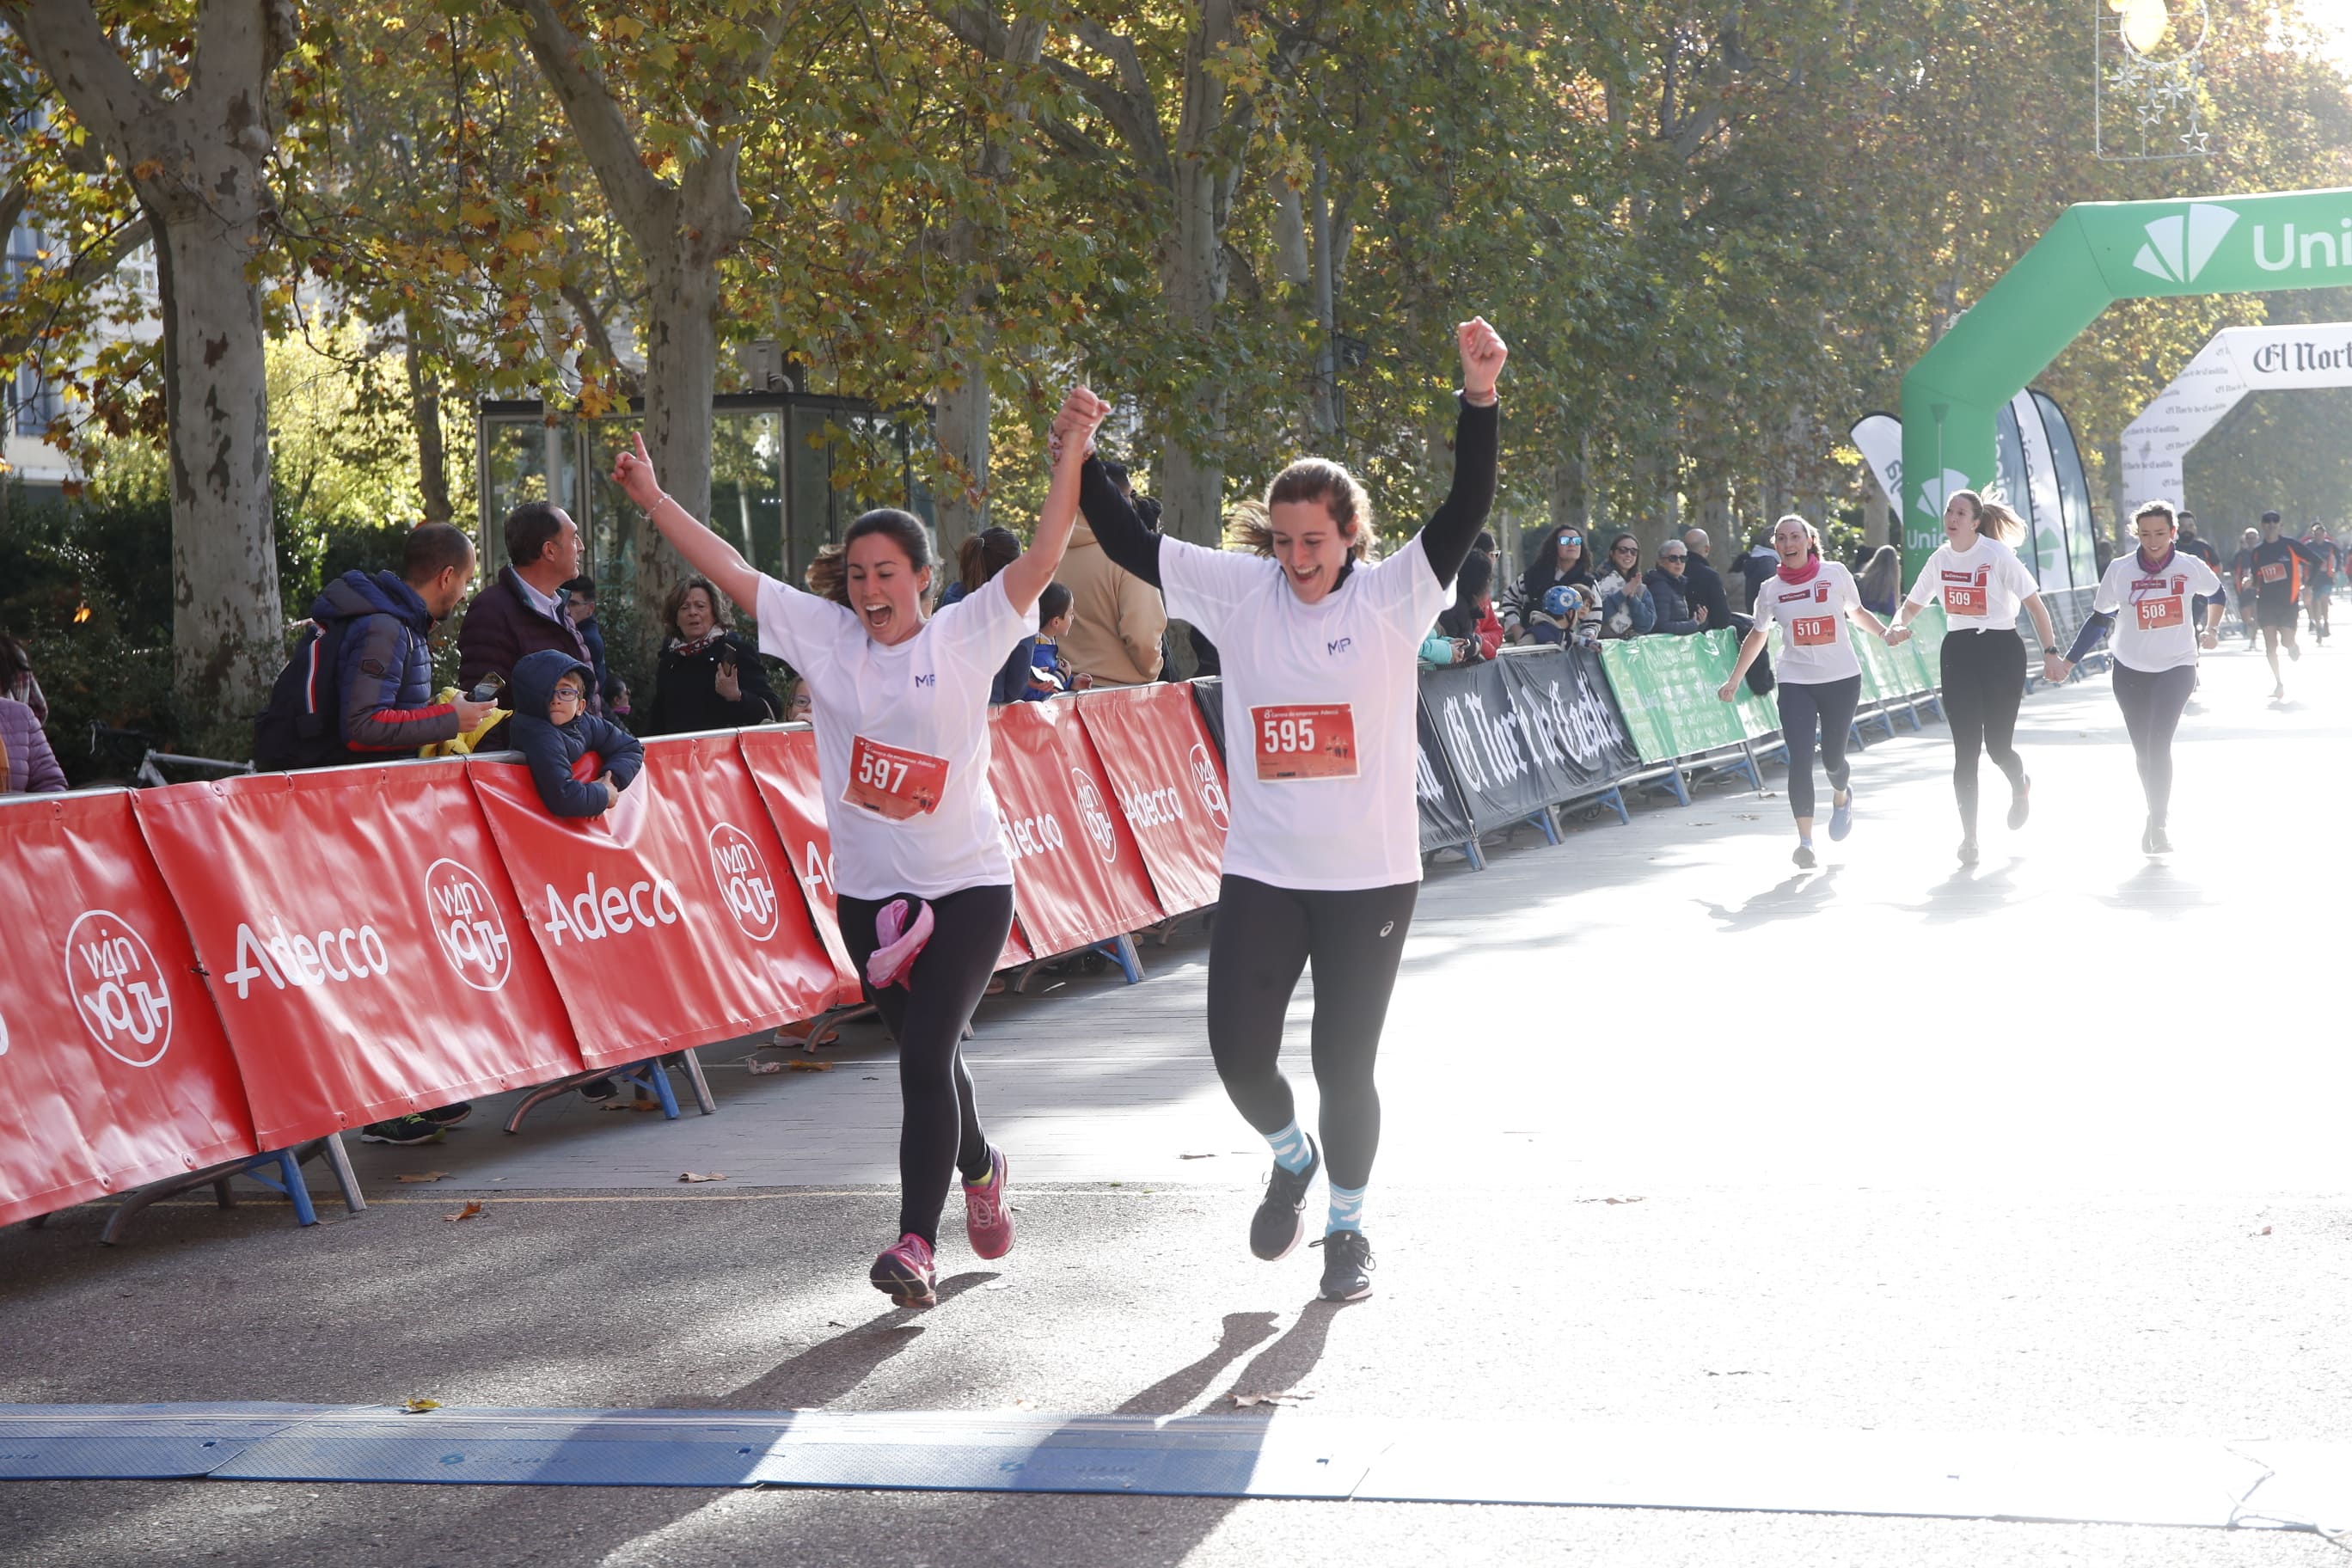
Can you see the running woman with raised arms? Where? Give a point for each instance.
(1819, 677)
(2149, 598)
(1319, 644)
(1982, 584)
(925, 884)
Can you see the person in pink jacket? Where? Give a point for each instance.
(31, 765)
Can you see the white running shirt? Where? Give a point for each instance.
(2156, 624)
(1816, 639)
(1981, 590)
(1320, 703)
(902, 737)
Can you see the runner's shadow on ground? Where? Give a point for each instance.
(1180, 1388)
(1970, 893)
(832, 1368)
(1806, 893)
(2155, 888)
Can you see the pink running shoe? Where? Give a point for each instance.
(987, 1216)
(901, 941)
(904, 1273)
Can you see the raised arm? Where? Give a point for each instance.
(706, 552)
(1448, 535)
(1119, 529)
(1074, 430)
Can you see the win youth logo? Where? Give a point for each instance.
(468, 925)
(2178, 247)
(119, 988)
(744, 885)
(1095, 820)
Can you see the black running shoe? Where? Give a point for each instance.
(408, 1130)
(449, 1115)
(601, 1088)
(1804, 856)
(2020, 805)
(1346, 1266)
(1969, 850)
(1280, 1223)
(2157, 841)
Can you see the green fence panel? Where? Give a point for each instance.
(1624, 663)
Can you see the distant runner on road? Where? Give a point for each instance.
(1819, 677)
(2279, 564)
(924, 883)
(2321, 588)
(1320, 647)
(2147, 598)
(1982, 585)
(2242, 583)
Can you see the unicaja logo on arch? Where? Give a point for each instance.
(2178, 247)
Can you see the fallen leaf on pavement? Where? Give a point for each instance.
(798, 1065)
(418, 1407)
(645, 1105)
(697, 1176)
(423, 1176)
(1294, 1397)
(2265, 1231)
(1622, 1200)
(468, 1212)
(765, 1067)
(620, 1105)
(1024, 1405)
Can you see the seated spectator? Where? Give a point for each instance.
(978, 558)
(580, 763)
(1880, 582)
(27, 766)
(1626, 608)
(1468, 630)
(378, 704)
(1668, 593)
(709, 677)
(580, 604)
(16, 679)
(522, 612)
(1049, 672)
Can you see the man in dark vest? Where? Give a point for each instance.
(522, 612)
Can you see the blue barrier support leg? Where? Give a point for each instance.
(1613, 797)
(1470, 849)
(1542, 819)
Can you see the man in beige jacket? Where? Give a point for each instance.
(1115, 617)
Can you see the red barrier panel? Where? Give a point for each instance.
(1169, 783)
(363, 942)
(1077, 877)
(667, 922)
(784, 762)
(112, 1064)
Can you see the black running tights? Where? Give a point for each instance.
(939, 1132)
(1264, 938)
(1827, 707)
(1984, 681)
(2152, 702)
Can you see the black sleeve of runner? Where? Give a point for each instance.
(1117, 529)
(2095, 627)
(1448, 535)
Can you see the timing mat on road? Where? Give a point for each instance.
(2090, 1480)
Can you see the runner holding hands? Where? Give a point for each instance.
(1323, 863)
(1819, 677)
(925, 884)
(1983, 585)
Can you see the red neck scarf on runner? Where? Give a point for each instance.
(2148, 565)
(1812, 564)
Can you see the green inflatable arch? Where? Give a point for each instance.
(2097, 253)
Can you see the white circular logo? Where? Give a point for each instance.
(1206, 786)
(4, 1034)
(744, 885)
(1096, 820)
(467, 923)
(117, 988)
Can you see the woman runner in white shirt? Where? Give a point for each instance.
(2147, 596)
(1819, 679)
(902, 754)
(1982, 584)
(1319, 646)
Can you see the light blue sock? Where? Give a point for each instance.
(1347, 1209)
(1291, 1150)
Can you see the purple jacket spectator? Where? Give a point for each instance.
(32, 766)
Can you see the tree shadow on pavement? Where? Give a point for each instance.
(831, 1369)
(1806, 893)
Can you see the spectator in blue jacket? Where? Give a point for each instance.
(384, 679)
(555, 734)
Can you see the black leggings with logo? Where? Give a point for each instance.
(1827, 706)
(1984, 681)
(1263, 939)
(940, 1130)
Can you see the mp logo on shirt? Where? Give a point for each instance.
(922, 681)
(117, 988)
(1341, 645)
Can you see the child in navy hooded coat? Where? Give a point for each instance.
(554, 732)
